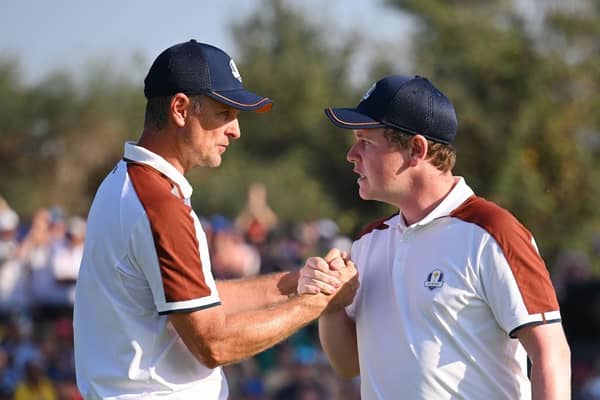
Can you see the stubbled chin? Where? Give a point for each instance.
(213, 162)
(363, 193)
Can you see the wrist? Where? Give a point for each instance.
(317, 303)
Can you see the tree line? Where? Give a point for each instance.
(526, 95)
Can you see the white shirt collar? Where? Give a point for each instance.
(142, 155)
(459, 193)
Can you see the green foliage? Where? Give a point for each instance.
(58, 139)
(292, 191)
(527, 98)
(526, 104)
(293, 148)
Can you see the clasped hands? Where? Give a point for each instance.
(334, 276)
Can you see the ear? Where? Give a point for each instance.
(418, 149)
(179, 109)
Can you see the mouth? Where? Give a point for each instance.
(361, 177)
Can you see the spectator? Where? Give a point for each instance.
(8, 376)
(12, 275)
(9, 222)
(66, 257)
(17, 342)
(36, 385)
(231, 256)
(57, 225)
(35, 252)
(57, 348)
(250, 383)
(257, 218)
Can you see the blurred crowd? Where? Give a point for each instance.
(39, 263)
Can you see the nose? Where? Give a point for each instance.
(233, 129)
(352, 155)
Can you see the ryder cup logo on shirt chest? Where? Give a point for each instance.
(435, 279)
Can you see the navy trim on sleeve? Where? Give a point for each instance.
(549, 321)
(187, 310)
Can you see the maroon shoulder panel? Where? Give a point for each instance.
(378, 224)
(174, 234)
(515, 240)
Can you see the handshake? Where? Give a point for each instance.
(334, 278)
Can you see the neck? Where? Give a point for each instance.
(159, 142)
(426, 194)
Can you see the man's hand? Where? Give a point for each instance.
(321, 275)
(349, 278)
(333, 275)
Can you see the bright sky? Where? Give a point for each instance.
(46, 36)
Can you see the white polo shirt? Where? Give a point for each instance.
(439, 302)
(145, 255)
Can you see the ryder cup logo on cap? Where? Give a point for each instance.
(234, 70)
(369, 91)
(195, 68)
(409, 104)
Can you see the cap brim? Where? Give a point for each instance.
(242, 99)
(349, 118)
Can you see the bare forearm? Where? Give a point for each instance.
(550, 356)
(251, 332)
(256, 314)
(551, 379)
(238, 295)
(338, 338)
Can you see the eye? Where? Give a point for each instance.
(227, 114)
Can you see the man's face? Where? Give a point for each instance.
(208, 133)
(380, 166)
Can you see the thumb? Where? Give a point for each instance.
(332, 255)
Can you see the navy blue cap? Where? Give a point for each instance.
(410, 104)
(198, 68)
